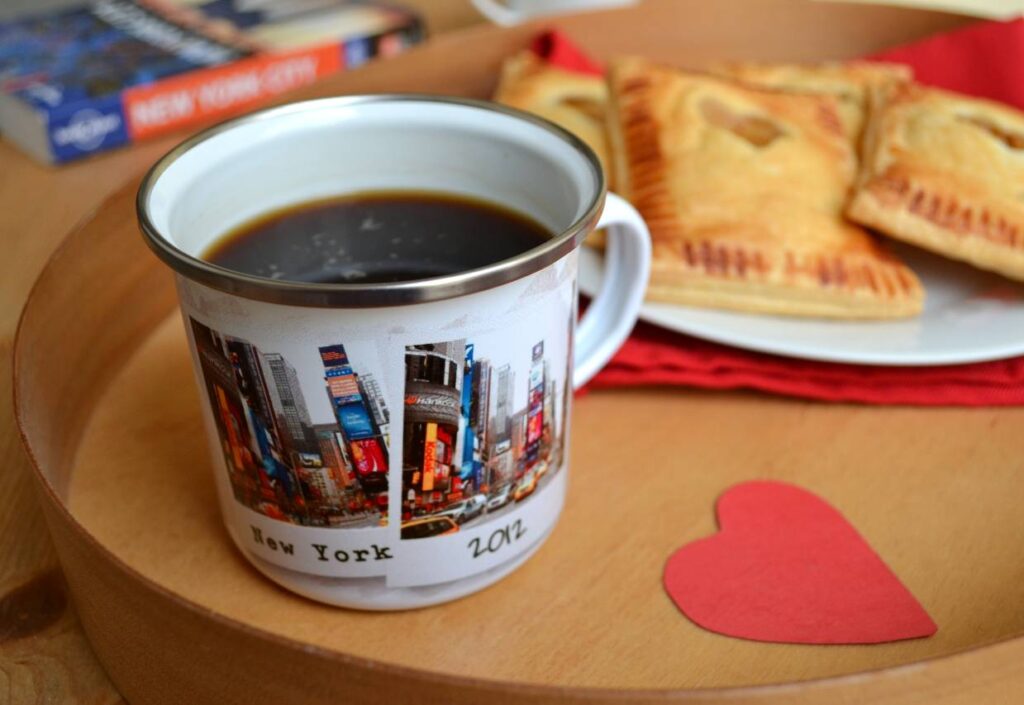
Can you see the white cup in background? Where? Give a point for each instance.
(512, 12)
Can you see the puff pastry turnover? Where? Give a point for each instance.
(946, 172)
(743, 191)
(851, 83)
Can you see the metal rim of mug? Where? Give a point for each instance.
(367, 295)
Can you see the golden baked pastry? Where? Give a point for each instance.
(946, 172)
(849, 82)
(743, 190)
(575, 101)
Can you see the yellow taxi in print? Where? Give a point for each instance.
(541, 469)
(526, 486)
(427, 527)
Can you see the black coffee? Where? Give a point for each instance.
(377, 237)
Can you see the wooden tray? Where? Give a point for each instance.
(109, 412)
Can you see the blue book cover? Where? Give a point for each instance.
(90, 78)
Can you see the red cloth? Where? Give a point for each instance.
(981, 59)
(559, 50)
(656, 357)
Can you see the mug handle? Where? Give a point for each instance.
(611, 315)
(498, 13)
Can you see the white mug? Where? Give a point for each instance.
(389, 446)
(512, 12)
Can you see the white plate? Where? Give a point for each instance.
(969, 316)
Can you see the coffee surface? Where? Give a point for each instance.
(377, 237)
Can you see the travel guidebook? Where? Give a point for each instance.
(90, 78)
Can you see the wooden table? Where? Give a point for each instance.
(44, 656)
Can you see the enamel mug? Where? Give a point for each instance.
(390, 446)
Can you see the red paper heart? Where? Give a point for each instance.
(787, 567)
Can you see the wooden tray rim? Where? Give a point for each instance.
(946, 668)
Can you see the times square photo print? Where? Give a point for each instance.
(328, 472)
(483, 431)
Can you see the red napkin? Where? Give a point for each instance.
(654, 356)
(982, 59)
(558, 50)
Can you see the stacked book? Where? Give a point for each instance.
(93, 77)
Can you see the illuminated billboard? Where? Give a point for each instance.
(537, 376)
(534, 427)
(333, 355)
(311, 460)
(368, 458)
(429, 457)
(354, 420)
(343, 387)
